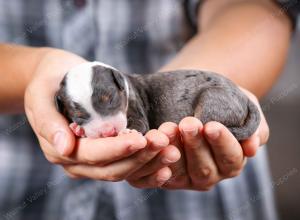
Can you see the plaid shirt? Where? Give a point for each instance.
(135, 36)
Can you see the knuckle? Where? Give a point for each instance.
(202, 173)
(231, 160)
(143, 157)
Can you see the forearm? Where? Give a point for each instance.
(17, 64)
(247, 41)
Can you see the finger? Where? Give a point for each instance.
(156, 141)
(178, 169)
(154, 180)
(121, 169)
(88, 171)
(263, 128)
(106, 150)
(227, 151)
(167, 156)
(47, 122)
(170, 129)
(200, 162)
(251, 145)
(260, 137)
(190, 128)
(52, 156)
(72, 176)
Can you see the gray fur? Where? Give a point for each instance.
(108, 91)
(171, 96)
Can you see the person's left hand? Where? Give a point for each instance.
(209, 154)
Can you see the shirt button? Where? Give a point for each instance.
(79, 3)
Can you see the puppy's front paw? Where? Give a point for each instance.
(127, 131)
(77, 129)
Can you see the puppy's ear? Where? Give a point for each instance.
(58, 98)
(59, 103)
(118, 79)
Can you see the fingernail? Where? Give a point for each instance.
(60, 142)
(213, 133)
(190, 132)
(166, 160)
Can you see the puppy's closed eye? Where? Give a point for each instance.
(79, 114)
(105, 98)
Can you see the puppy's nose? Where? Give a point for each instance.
(109, 133)
(108, 130)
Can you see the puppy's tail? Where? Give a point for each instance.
(250, 124)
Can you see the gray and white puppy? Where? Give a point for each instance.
(100, 101)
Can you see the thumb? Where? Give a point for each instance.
(49, 124)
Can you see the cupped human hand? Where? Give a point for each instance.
(110, 159)
(209, 153)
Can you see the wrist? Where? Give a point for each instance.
(39, 54)
(56, 61)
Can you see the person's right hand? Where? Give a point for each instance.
(110, 159)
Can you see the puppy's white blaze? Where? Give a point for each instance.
(79, 85)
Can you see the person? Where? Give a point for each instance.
(229, 37)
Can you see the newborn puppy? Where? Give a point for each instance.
(100, 101)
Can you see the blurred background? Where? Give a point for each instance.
(282, 109)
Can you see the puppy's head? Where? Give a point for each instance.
(95, 96)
